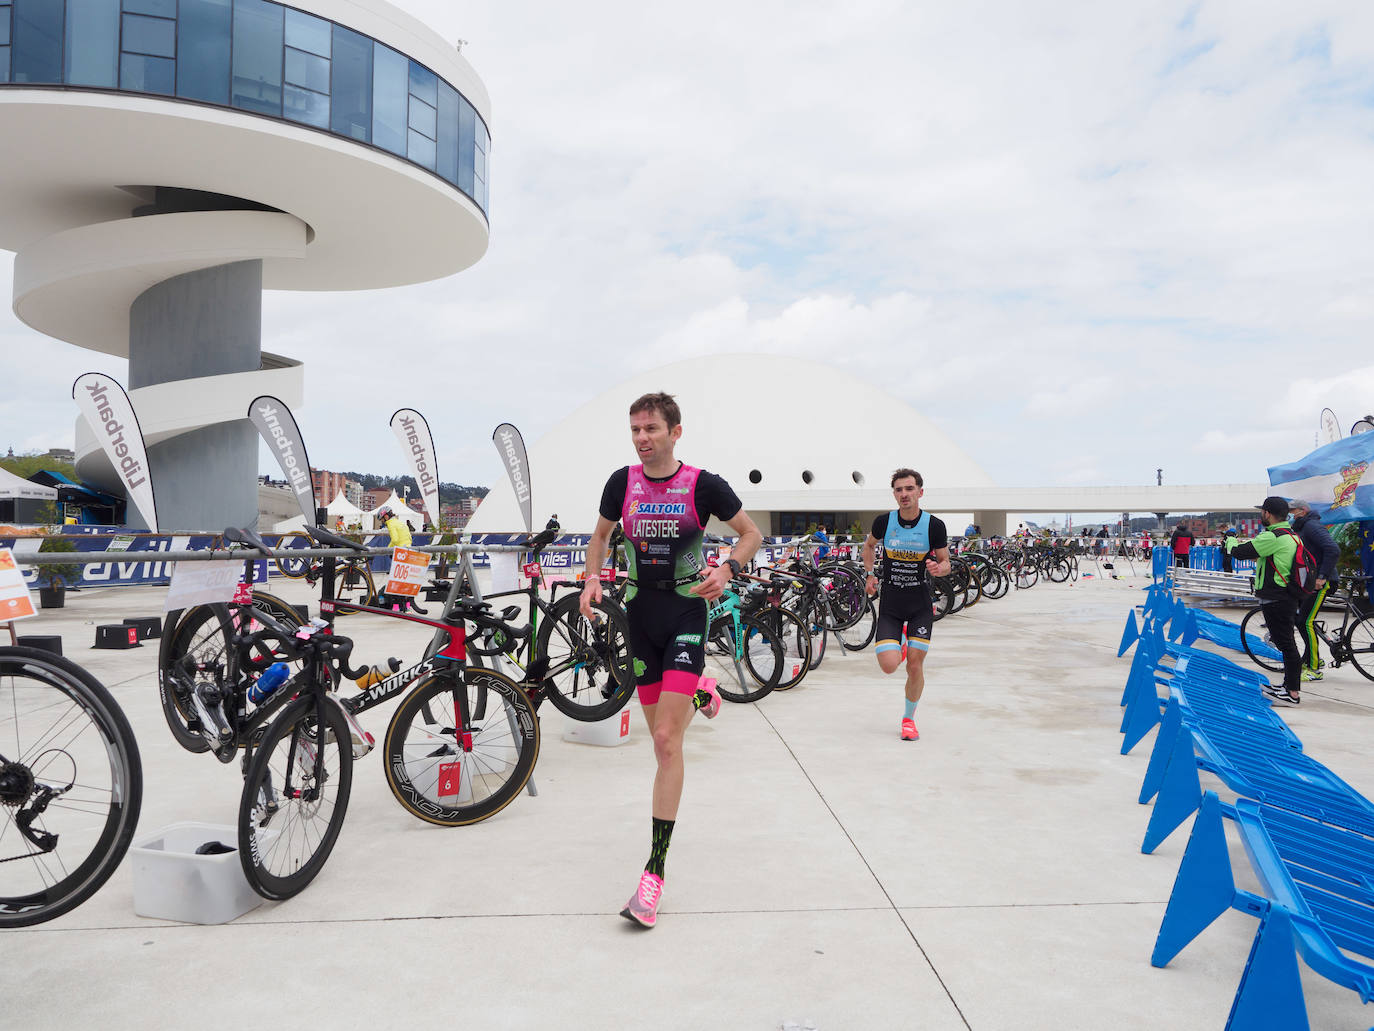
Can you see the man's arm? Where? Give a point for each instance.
(713, 581)
(869, 556)
(937, 562)
(597, 548)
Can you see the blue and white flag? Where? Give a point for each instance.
(1337, 480)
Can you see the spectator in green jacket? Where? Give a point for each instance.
(1273, 549)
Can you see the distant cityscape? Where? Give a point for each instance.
(367, 491)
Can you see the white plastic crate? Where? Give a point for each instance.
(171, 882)
(613, 730)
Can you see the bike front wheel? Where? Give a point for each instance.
(1359, 643)
(71, 782)
(295, 797)
(450, 774)
(1254, 634)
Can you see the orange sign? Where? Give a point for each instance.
(15, 602)
(408, 571)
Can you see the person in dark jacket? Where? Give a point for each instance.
(1325, 552)
(1226, 566)
(1273, 549)
(1181, 544)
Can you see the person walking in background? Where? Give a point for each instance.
(1181, 543)
(1325, 552)
(1274, 549)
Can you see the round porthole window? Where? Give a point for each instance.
(806, 476)
(857, 477)
(755, 476)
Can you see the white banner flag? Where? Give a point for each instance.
(277, 426)
(110, 414)
(511, 447)
(412, 431)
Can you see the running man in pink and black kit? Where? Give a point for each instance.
(664, 506)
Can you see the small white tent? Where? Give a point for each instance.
(341, 506)
(23, 502)
(12, 486)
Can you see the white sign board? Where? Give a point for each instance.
(200, 583)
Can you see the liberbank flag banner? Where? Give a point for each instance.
(511, 447)
(412, 431)
(110, 414)
(1337, 480)
(278, 427)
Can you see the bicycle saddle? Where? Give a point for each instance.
(247, 538)
(333, 540)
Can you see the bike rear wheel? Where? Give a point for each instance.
(589, 673)
(295, 797)
(794, 636)
(451, 775)
(71, 783)
(294, 566)
(353, 575)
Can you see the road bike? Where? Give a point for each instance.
(71, 785)
(584, 667)
(1352, 641)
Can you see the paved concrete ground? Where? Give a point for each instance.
(985, 877)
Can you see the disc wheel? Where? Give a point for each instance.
(451, 775)
(295, 797)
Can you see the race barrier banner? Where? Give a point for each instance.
(412, 430)
(110, 415)
(278, 427)
(511, 447)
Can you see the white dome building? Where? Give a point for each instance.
(790, 468)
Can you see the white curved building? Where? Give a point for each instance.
(789, 467)
(167, 160)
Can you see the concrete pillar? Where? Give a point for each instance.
(992, 523)
(205, 323)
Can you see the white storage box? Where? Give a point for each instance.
(171, 882)
(613, 730)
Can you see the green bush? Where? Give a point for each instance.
(50, 573)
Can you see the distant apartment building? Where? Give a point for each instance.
(372, 498)
(353, 493)
(327, 485)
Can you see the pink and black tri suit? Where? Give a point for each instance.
(664, 521)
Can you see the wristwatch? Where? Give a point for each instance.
(734, 566)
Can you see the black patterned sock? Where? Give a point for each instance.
(658, 850)
(700, 698)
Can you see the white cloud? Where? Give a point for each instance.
(1100, 222)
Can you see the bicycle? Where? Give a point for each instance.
(1352, 641)
(739, 644)
(71, 784)
(583, 667)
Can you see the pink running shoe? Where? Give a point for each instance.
(643, 905)
(909, 731)
(709, 710)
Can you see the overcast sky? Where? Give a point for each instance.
(1087, 240)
